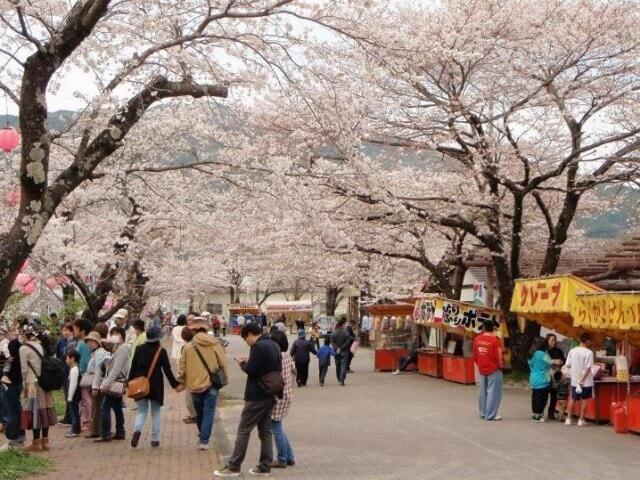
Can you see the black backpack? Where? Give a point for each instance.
(53, 374)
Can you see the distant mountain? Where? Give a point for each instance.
(57, 119)
(618, 221)
(613, 223)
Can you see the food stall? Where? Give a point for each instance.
(571, 306)
(291, 311)
(248, 312)
(451, 326)
(391, 332)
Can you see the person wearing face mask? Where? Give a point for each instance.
(115, 371)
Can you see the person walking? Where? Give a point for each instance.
(351, 348)
(116, 369)
(284, 456)
(91, 380)
(300, 351)
(341, 341)
(487, 355)
(176, 334)
(38, 412)
(200, 357)
(558, 359)
(580, 361)
(151, 360)
(324, 359)
(264, 359)
(539, 378)
(314, 334)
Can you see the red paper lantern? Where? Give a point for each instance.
(9, 139)
(25, 283)
(13, 197)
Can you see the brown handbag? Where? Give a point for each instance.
(139, 387)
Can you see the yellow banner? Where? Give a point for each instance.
(548, 294)
(610, 311)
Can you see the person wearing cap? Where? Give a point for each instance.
(142, 361)
(94, 376)
(204, 354)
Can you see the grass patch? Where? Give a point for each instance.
(59, 402)
(15, 465)
(516, 377)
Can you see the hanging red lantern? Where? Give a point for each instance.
(9, 139)
(25, 283)
(13, 197)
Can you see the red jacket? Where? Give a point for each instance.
(487, 354)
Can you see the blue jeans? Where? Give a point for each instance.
(156, 417)
(74, 410)
(490, 395)
(205, 405)
(12, 413)
(285, 452)
(341, 365)
(109, 402)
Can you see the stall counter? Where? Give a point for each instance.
(605, 392)
(633, 410)
(388, 359)
(458, 369)
(430, 363)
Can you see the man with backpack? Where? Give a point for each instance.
(264, 382)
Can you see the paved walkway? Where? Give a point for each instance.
(377, 427)
(177, 458)
(382, 426)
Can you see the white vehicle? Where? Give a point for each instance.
(326, 324)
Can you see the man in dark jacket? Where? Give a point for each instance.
(11, 383)
(264, 357)
(341, 341)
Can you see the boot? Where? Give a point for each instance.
(45, 444)
(35, 446)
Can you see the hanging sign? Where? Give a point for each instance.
(455, 314)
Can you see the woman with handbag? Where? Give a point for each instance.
(149, 362)
(112, 387)
(38, 413)
(91, 380)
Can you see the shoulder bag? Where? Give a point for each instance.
(217, 376)
(140, 387)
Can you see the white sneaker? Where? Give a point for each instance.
(256, 472)
(7, 447)
(204, 446)
(582, 423)
(567, 422)
(226, 472)
(396, 372)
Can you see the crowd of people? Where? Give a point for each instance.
(98, 362)
(557, 382)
